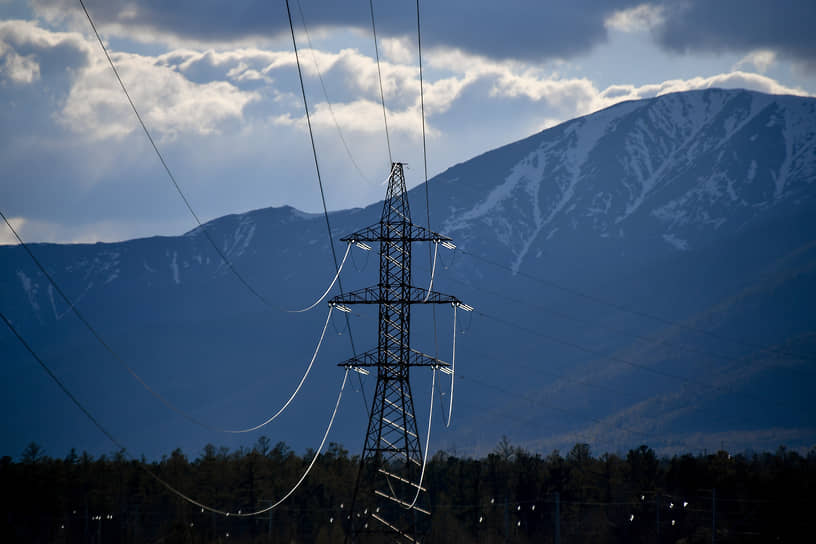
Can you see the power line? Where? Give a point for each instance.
(59, 383)
(326, 292)
(320, 184)
(328, 101)
(379, 78)
(170, 175)
(120, 360)
(633, 311)
(425, 165)
(169, 487)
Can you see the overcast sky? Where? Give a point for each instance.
(217, 85)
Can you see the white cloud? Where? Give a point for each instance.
(6, 236)
(398, 50)
(760, 59)
(361, 116)
(637, 19)
(169, 103)
(511, 79)
(16, 35)
(34, 230)
(731, 80)
(18, 68)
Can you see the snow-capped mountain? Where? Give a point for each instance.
(643, 274)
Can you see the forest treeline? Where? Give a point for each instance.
(511, 495)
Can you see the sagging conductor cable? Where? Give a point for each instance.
(297, 389)
(280, 501)
(170, 175)
(336, 276)
(158, 396)
(433, 271)
(150, 473)
(427, 443)
(453, 369)
(326, 95)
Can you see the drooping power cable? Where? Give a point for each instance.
(427, 442)
(169, 487)
(326, 95)
(433, 271)
(170, 175)
(320, 184)
(336, 277)
(158, 396)
(453, 369)
(294, 488)
(317, 166)
(379, 78)
(297, 389)
(425, 166)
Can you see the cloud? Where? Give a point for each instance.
(529, 31)
(498, 30)
(731, 80)
(761, 60)
(170, 104)
(785, 27)
(19, 68)
(512, 79)
(32, 230)
(28, 52)
(636, 19)
(6, 236)
(398, 50)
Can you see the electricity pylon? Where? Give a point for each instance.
(389, 503)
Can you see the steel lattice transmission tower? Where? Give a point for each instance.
(388, 502)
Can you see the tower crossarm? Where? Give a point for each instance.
(380, 232)
(372, 295)
(415, 358)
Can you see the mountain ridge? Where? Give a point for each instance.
(666, 205)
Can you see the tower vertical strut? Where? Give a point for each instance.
(383, 505)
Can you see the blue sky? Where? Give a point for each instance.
(217, 85)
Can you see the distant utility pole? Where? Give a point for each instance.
(713, 515)
(388, 497)
(657, 517)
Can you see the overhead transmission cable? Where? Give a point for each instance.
(297, 389)
(320, 184)
(626, 309)
(328, 101)
(120, 360)
(427, 442)
(427, 195)
(166, 167)
(433, 271)
(336, 277)
(453, 369)
(141, 465)
(379, 79)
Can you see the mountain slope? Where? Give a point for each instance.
(654, 284)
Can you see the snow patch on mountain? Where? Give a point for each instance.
(175, 268)
(781, 178)
(522, 189)
(31, 289)
(676, 242)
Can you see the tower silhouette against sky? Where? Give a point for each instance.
(388, 502)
